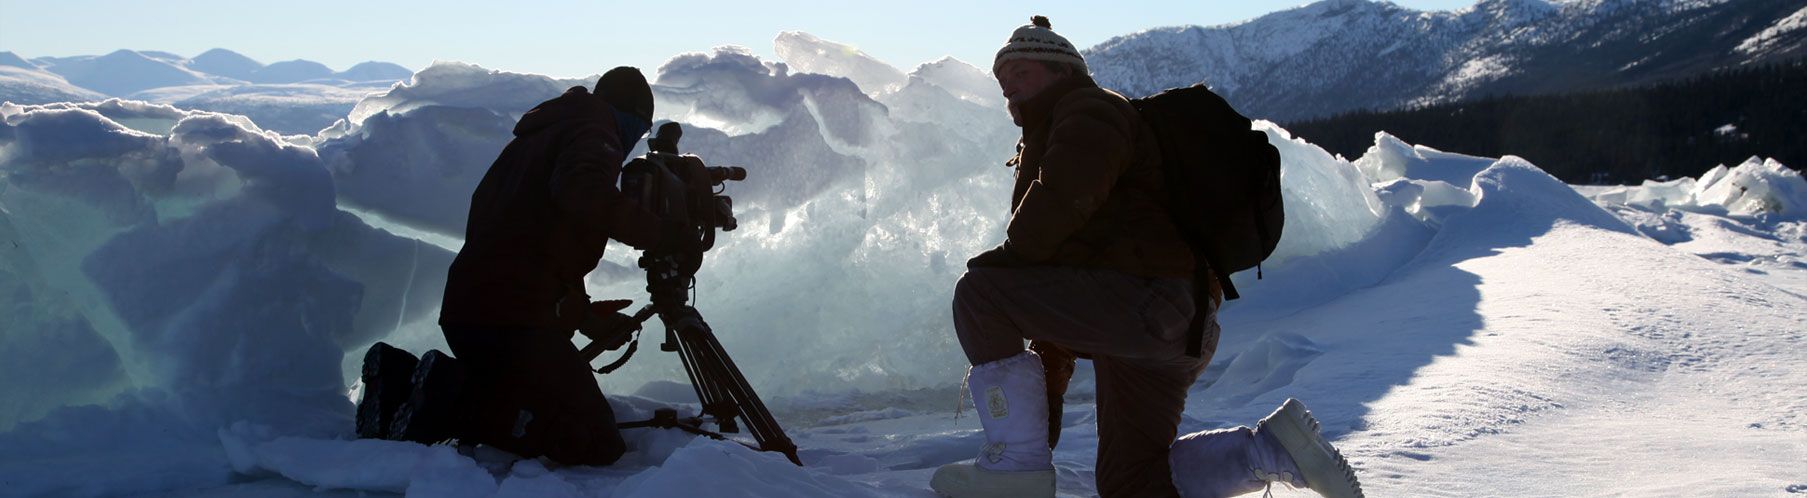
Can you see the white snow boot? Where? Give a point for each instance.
(1011, 397)
(1285, 448)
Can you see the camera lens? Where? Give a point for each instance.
(727, 173)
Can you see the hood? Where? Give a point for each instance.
(576, 104)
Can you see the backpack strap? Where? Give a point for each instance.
(1202, 303)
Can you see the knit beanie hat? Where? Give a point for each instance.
(1037, 41)
(625, 89)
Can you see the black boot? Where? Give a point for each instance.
(388, 381)
(431, 413)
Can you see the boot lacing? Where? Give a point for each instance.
(993, 452)
(1271, 478)
(1348, 472)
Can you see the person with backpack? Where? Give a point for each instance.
(1094, 265)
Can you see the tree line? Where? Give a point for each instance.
(1668, 130)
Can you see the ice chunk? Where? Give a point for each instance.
(733, 91)
(963, 80)
(48, 341)
(295, 108)
(1328, 202)
(1757, 186)
(418, 168)
(1655, 195)
(201, 259)
(1427, 200)
(464, 85)
(1392, 158)
(807, 53)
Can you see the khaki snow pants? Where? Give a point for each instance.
(1134, 328)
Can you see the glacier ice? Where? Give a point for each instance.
(809, 54)
(211, 260)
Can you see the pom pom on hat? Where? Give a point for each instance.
(1037, 41)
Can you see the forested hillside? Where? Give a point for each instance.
(1675, 129)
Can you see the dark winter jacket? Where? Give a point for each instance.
(541, 217)
(1089, 186)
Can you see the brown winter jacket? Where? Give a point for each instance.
(1089, 186)
(542, 216)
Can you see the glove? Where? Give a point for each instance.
(607, 325)
(996, 257)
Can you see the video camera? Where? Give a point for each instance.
(679, 187)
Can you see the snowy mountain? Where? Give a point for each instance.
(1339, 55)
(294, 71)
(10, 59)
(374, 71)
(25, 83)
(226, 63)
(189, 295)
(124, 72)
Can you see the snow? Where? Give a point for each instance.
(295, 108)
(26, 84)
(1770, 36)
(1756, 187)
(294, 98)
(191, 293)
(294, 71)
(124, 71)
(375, 71)
(1334, 56)
(225, 63)
(1749, 217)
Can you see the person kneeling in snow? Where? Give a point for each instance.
(539, 222)
(1093, 264)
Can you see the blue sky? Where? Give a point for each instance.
(570, 39)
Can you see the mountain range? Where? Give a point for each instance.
(1317, 60)
(124, 72)
(1335, 56)
(291, 97)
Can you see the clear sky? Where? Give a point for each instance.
(571, 38)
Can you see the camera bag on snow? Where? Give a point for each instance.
(1224, 186)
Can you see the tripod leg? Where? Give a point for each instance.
(718, 371)
(704, 370)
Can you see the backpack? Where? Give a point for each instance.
(1223, 186)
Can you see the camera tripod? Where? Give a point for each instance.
(719, 385)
